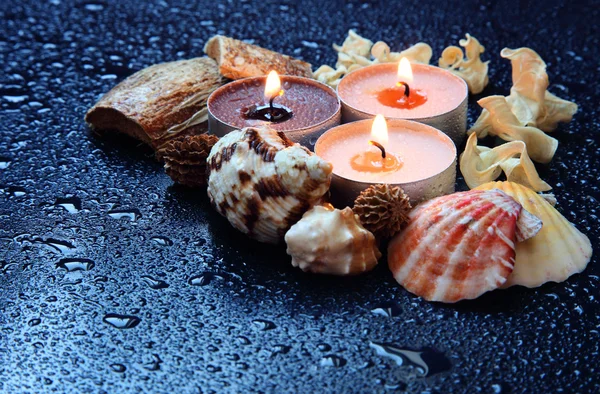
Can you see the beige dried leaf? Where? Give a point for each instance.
(469, 68)
(357, 52)
(529, 110)
(480, 164)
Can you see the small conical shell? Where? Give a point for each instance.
(331, 241)
(558, 251)
(457, 247)
(262, 182)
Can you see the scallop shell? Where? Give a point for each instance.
(262, 182)
(558, 251)
(459, 246)
(331, 241)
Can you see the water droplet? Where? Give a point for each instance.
(427, 361)
(213, 368)
(34, 322)
(131, 214)
(162, 241)
(16, 191)
(332, 360)
(121, 321)
(324, 347)
(56, 244)
(15, 99)
(119, 368)
(155, 284)
(71, 204)
(4, 163)
(203, 279)
(94, 7)
(388, 310)
(153, 365)
(72, 265)
(263, 325)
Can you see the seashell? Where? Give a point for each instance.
(459, 246)
(262, 182)
(558, 251)
(331, 241)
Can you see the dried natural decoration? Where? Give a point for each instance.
(471, 68)
(159, 102)
(558, 251)
(382, 209)
(263, 183)
(331, 241)
(480, 164)
(185, 158)
(357, 52)
(460, 246)
(237, 59)
(529, 110)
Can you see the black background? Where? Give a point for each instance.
(256, 323)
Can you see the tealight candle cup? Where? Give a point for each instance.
(315, 106)
(446, 112)
(345, 188)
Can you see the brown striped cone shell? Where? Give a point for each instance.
(459, 246)
(558, 251)
(263, 183)
(331, 241)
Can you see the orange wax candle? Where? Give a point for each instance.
(361, 89)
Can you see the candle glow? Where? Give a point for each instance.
(377, 161)
(402, 94)
(405, 73)
(273, 86)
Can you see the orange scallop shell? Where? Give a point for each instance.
(458, 246)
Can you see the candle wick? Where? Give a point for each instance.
(381, 148)
(406, 88)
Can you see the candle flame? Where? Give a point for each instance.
(379, 132)
(405, 73)
(273, 85)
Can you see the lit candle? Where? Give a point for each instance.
(302, 108)
(401, 95)
(425, 166)
(271, 112)
(378, 160)
(418, 92)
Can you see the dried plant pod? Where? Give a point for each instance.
(540, 146)
(185, 158)
(237, 59)
(159, 102)
(459, 246)
(418, 53)
(331, 241)
(382, 209)
(529, 110)
(480, 164)
(558, 251)
(262, 182)
(330, 76)
(356, 52)
(469, 68)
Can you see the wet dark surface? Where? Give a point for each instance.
(112, 279)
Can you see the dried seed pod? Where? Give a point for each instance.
(185, 158)
(382, 209)
(159, 102)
